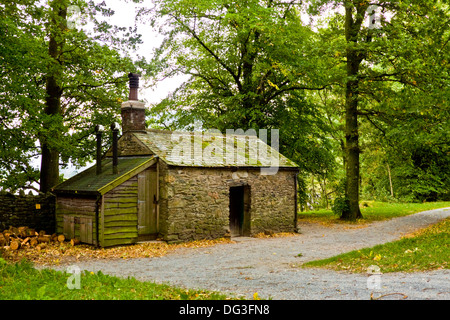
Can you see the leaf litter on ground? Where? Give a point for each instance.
(63, 253)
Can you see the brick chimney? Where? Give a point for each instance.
(133, 111)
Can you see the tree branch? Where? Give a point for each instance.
(211, 84)
(278, 92)
(217, 58)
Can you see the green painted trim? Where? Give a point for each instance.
(127, 176)
(102, 222)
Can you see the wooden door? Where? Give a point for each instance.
(86, 230)
(69, 226)
(147, 203)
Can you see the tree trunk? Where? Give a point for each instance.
(390, 180)
(352, 153)
(2, 239)
(34, 242)
(49, 175)
(354, 58)
(14, 245)
(41, 246)
(325, 190)
(45, 238)
(25, 241)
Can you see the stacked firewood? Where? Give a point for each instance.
(16, 238)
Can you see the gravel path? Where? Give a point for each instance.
(267, 266)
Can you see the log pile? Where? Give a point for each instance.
(16, 238)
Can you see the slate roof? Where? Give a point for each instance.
(211, 149)
(192, 149)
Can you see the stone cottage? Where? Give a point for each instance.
(177, 186)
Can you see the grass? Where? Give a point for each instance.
(20, 281)
(372, 211)
(427, 249)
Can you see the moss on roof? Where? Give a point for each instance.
(192, 149)
(212, 149)
(88, 182)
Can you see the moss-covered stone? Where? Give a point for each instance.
(199, 207)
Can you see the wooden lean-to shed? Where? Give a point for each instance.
(103, 208)
(177, 186)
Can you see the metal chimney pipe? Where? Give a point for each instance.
(115, 131)
(99, 130)
(134, 86)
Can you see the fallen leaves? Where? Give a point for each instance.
(411, 251)
(63, 253)
(275, 235)
(404, 296)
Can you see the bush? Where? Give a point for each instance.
(340, 205)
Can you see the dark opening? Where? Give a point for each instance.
(239, 211)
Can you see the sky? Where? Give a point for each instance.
(125, 12)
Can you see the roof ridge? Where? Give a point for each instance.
(159, 130)
(164, 131)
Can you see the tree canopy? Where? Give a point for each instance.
(57, 84)
(242, 58)
(359, 93)
(357, 80)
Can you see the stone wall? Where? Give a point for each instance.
(36, 212)
(195, 201)
(273, 201)
(129, 145)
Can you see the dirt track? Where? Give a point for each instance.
(268, 266)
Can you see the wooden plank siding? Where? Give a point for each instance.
(75, 217)
(119, 214)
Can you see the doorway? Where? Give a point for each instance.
(147, 205)
(240, 210)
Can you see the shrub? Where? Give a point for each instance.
(340, 205)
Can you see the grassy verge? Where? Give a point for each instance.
(427, 249)
(20, 281)
(372, 211)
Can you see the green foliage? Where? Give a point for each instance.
(91, 77)
(374, 211)
(254, 64)
(247, 65)
(241, 59)
(340, 205)
(427, 250)
(402, 93)
(413, 146)
(20, 281)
